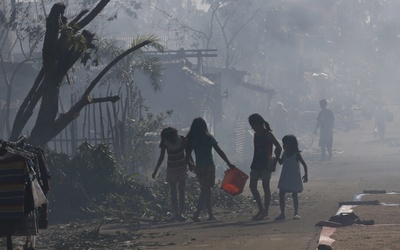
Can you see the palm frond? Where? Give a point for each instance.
(155, 42)
(124, 70)
(151, 67)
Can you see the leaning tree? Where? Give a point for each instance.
(65, 43)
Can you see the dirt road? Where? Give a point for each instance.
(359, 163)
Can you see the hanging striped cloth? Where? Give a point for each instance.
(13, 174)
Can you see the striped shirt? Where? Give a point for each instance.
(176, 152)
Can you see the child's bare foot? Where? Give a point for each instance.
(180, 218)
(212, 217)
(296, 217)
(195, 219)
(262, 214)
(280, 217)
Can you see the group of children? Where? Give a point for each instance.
(179, 150)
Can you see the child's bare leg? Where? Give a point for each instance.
(174, 199)
(209, 204)
(295, 197)
(200, 202)
(181, 190)
(256, 196)
(322, 152)
(281, 216)
(282, 201)
(181, 208)
(267, 195)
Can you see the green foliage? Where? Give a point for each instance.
(82, 180)
(90, 184)
(95, 167)
(143, 140)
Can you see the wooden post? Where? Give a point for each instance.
(123, 128)
(94, 124)
(116, 126)
(73, 129)
(110, 127)
(89, 123)
(66, 141)
(61, 144)
(103, 139)
(129, 96)
(84, 124)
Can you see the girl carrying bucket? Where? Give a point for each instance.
(202, 142)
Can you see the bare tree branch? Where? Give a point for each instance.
(26, 109)
(65, 119)
(85, 21)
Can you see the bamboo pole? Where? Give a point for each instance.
(84, 123)
(94, 124)
(66, 141)
(74, 130)
(61, 145)
(129, 96)
(89, 125)
(110, 127)
(123, 132)
(116, 126)
(103, 139)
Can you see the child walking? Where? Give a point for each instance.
(264, 141)
(290, 180)
(202, 142)
(177, 168)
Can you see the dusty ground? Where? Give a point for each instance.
(359, 163)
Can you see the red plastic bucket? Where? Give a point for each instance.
(234, 181)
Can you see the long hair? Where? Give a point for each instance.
(198, 131)
(292, 143)
(258, 119)
(169, 134)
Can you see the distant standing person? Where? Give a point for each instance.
(264, 141)
(325, 121)
(290, 180)
(280, 120)
(202, 142)
(177, 168)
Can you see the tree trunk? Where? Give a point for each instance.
(59, 55)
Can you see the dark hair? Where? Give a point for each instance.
(198, 131)
(258, 119)
(170, 134)
(292, 142)
(323, 102)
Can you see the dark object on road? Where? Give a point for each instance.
(324, 247)
(374, 191)
(344, 219)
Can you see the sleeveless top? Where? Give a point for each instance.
(262, 150)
